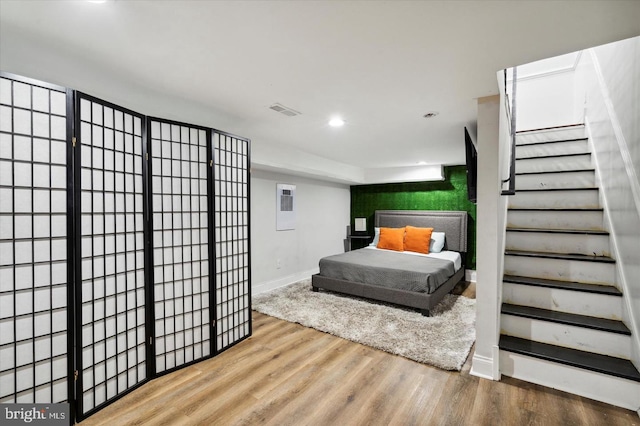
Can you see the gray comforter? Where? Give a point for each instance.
(388, 269)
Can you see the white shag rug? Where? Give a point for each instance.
(443, 340)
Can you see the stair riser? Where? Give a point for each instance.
(592, 220)
(582, 199)
(559, 243)
(580, 179)
(576, 132)
(601, 387)
(560, 269)
(560, 300)
(554, 164)
(568, 336)
(556, 148)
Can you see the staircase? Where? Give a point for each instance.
(561, 322)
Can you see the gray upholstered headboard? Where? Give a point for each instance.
(452, 223)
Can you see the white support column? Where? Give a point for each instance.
(489, 237)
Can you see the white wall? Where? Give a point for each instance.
(546, 100)
(620, 66)
(323, 213)
(608, 77)
(31, 57)
(490, 226)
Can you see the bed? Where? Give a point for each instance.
(402, 278)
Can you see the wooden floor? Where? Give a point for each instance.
(287, 374)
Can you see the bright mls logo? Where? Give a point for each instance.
(38, 414)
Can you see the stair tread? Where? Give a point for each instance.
(548, 142)
(587, 188)
(617, 367)
(577, 154)
(566, 285)
(561, 231)
(556, 171)
(581, 257)
(602, 324)
(545, 209)
(561, 127)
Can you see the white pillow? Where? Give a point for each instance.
(376, 237)
(437, 242)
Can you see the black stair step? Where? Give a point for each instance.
(561, 231)
(544, 209)
(612, 366)
(594, 323)
(592, 188)
(577, 154)
(562, 127)
(549, 142)
(555, 171)
(564, 256)
(563, 285)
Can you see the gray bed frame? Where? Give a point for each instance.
(453, 223)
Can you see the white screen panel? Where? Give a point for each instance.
(113, 357)
(232, 278)
(33, 234)
(179, 175)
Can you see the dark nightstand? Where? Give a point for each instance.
(361, 241)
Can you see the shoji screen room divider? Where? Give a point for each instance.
(111, 324)
(124, 246)
(181, 243)
(36, 298)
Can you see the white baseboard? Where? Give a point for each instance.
(483, 367)
(470, 275)
(282, 282)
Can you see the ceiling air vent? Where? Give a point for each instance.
(284, 110)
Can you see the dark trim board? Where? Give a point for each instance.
(453, 223)
(564, 127)
(588, 360)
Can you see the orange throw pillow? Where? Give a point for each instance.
(391, 239)
(417, 239)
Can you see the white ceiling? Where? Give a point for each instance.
(380, 65)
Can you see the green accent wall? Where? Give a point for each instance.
(450, 194)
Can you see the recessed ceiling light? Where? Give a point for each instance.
(422, 163)
(97, 1)
(431, 114)
(336, 122)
